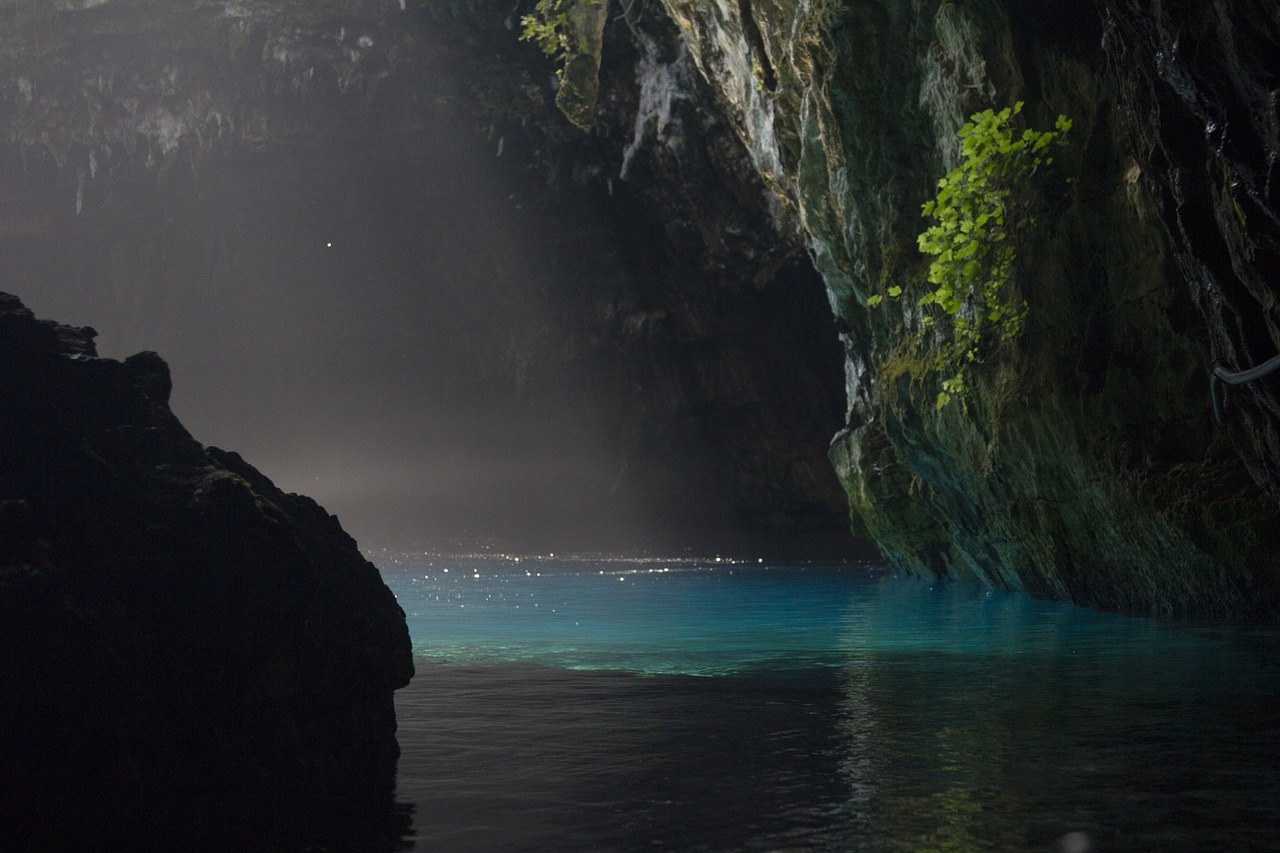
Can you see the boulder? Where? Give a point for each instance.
(183, 645)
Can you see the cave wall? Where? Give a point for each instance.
(1197, 85)
(1086, 465)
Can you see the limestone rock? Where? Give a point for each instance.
(182, 644)
(1086, 466)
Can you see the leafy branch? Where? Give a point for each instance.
(550, 28)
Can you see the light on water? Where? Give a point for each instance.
(700, 619)
(719, 705)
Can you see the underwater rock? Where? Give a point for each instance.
(182, 644)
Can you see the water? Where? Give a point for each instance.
(575, 705)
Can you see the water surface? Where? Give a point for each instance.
(601, 704)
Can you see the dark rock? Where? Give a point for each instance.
(1198, 88)
(182, 644)
(680, 281)
(150, 376)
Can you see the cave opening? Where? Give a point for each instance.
(394, 311)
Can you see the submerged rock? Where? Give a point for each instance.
(182, 644)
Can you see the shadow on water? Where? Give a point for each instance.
(99, 769)
(798, 708)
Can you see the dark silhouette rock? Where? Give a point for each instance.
(182, 644)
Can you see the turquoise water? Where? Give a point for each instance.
(595, 704)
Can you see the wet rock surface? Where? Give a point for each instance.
(1198, 89)
(1086, 464)
(186, 649)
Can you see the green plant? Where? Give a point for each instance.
(757, 71)
(572, 33)
(982, 210)
(550, 28)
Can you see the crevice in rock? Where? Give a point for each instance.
(755, 40)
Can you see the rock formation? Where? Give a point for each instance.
(1086, 465)
(185, 648)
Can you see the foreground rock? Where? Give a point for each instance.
(182, 644)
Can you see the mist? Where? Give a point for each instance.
(369, 325)
(385, 307)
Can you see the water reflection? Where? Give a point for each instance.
(974, 721)
(114, 763)
(715, 707)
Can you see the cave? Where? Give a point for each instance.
(396, 309)
(560, 425)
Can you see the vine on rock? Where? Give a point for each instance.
(571, 33)
(982, 209)
(550, 28)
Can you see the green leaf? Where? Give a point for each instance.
(973, 253)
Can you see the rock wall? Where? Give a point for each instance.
(718, 321)
(1086, 465)
(1198, 94)
(99, 93)
(183, 645)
